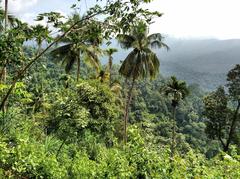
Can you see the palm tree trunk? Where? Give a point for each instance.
(5, 29)
(4, 74)
(39, 48)
(232, 128)
(6, 14)
(173, 143)
(1, 75)
(128, 102)
(110, 71)
(4, 71)
(78, 68)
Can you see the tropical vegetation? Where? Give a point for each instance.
(102, 119)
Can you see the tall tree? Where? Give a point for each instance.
(141, 62)
(223, 117)
(12, 21)
(6, 20)
(4, 73)
(177, 90)
(110, 52)
(217, 113)
(233, 78)
(79, 44)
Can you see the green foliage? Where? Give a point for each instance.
(217, 112)
(87, 106)
(141, 62)
(177, 90)
(55, 127)
(233, 78)
(223, 117)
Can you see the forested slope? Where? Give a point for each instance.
(66, 113)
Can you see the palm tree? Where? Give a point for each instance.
(110, 52)
(141, 62)
(11, 20)
(78, 45)
(4, 71)
(40, 34)
(71, 53)
(5, 20)
(177, 90)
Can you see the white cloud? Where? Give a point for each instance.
(198, 18)
(17, 6)
(182, 18)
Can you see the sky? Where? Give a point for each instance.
(182, 18)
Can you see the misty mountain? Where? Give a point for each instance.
(205, 62)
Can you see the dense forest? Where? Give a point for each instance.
(66, 114)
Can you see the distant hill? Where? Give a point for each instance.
(205, 62)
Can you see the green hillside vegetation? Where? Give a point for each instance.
(65, 114)
(200, 61)
(205, 62)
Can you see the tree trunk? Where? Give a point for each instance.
(223, 145)
(173, 142)
(5, 29)
(110, 71)
(4, 76)
(1, 75)
(4, 71)
(59, 149)
(78, 68)
(232, 128)
(6, 15)
(39, 48)
(128, 102)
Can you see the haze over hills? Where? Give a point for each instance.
(205, 62)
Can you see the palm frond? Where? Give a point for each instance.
(177, 88)
(70, 60)
(156, 41)
(157, 44)
(91, 57)
(129, 64)
(61, 52)
(126, 41)
(110, 51)
(155, 36)
(12, 20)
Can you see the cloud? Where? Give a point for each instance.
(198, 18)
(17, 6)
(30, 18)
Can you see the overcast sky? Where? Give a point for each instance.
(182, 18)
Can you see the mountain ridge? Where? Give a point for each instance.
(203, 61)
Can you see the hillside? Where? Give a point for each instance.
(197, 61)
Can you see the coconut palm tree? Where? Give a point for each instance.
(6, 20)
(71, 53)
(177, 90)
(12, 21)
(78, 45)
(141, 62)
(109, 53)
